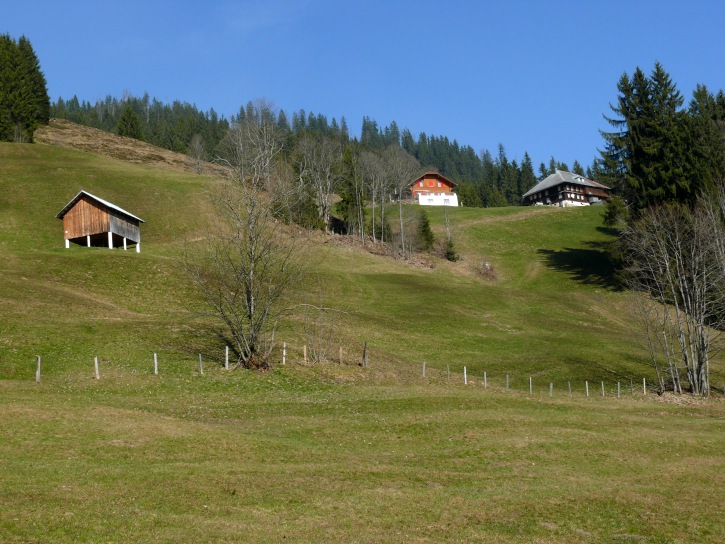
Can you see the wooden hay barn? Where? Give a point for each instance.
(92, 221)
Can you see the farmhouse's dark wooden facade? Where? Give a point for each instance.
(92, 221)
(566, 189)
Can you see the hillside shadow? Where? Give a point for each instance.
(592, 265)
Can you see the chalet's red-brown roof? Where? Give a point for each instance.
(436, 175)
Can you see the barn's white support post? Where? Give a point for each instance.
(110, 240)
(124, 243)
(67, 243)
(138, 247)
(88, 240)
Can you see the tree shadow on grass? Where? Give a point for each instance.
(592, 265)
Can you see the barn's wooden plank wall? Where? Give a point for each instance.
(85, 218)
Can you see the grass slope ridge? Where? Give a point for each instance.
(330, 453)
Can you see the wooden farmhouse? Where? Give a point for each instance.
(92, 221)
(566, 189)
(433, 189)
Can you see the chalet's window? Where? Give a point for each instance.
(439, 184)
(446, 202)
(420, 184)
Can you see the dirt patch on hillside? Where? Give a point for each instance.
(63, 133)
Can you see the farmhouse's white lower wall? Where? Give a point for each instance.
(438, 200)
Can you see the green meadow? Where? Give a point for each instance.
(327, 452)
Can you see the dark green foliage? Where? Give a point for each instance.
(24, 102)
(129, 125)
(659, 152)
(425, 234)
(616, 213)
(451, 253)
(170, 126)
(468, 195)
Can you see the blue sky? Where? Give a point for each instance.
(536, 76)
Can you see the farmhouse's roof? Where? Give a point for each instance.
(76, 198)
(559, 177)
(432, 174)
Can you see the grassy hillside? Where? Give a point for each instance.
(331, 453)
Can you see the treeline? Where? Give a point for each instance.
(171, 126)
(24, 101)
(484, 179)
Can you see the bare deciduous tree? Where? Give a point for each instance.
(319, 168)
(675, 255)
(197, 153)
(374, 178)
(247, 267)
(402, 168)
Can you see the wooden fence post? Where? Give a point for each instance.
(448, 373)
(531, 386)
(226, 358)
(465, 376)
(201, 366)
(304, 353)
(340, 355)
(551, 389)
(365, 354)
(507, 382)
(644, 386)
(602, 388)
(156, 364)
(95, 365)
(570, 388)
(485, 380)
(37, 371)
(618, 390)
(424, 369)
(586, 383)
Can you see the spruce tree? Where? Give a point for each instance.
(129, 125)
(425, 234)
(24, 102)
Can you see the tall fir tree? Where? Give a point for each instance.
(24, 101)
(129, 125)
